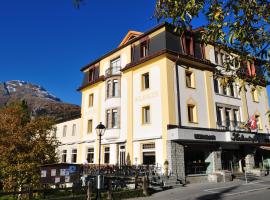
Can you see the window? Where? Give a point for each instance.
(216, 86)
(144, 49)
(107, 155)
(219, 116)
(74, 156)
(115, 63)
(255, 96)
(73, 129)
(224, 87)
(192, 115)
(108, 114)
(64, 130)
(90, 155)
(91, 75)
(189, 45)
(190, 83)
(228, 117)
(90, 126)
(231, 87)
(108, 88)
(235, 116)
(149, 154)
(145, 81)
(259, 122)
(64, 156)
(91, 100)
(115, 88)
(146, 115)
(114, 118)
(216, 57)
(122, 155)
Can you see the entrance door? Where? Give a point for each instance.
(122, 155)
(232, 161)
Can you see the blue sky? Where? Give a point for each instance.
(47, 41)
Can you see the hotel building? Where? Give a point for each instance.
(157, 95)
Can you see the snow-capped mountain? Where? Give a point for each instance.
(40, 101)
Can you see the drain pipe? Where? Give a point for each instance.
(178, 94)
(178, 110)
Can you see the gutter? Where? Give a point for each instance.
(178, 94)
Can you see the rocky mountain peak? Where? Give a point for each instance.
(39, 100)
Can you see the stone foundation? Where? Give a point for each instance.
(175, 157)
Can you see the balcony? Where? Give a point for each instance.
(111, 71)
(229, 125)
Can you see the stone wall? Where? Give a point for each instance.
(250, 163)
(216, 161)
(175, 157)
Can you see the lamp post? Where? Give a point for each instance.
(100, 130)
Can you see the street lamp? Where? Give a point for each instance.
(100, 130)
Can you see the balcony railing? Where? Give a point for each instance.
(231, 125)
(113, 71)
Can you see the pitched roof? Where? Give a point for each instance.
(129, 36)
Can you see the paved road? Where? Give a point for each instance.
(258, 190)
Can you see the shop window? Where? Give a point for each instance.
(115, 88)
(144, 49)
(145, 81)
(90, 126)
(192, 115)
(146, 115)
(91, 100)
(107, 155)
(64, 156)
(74, 156)
(73, 129)
(255, 96)
(149, 154)
(90, 155)
(64, 130)
(190, 80)
(195, 160)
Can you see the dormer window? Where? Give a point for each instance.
(144, 49)
(188, 43)
(93, 73)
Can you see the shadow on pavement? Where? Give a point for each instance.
(218, 195)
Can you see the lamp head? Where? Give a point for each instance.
(100, 129)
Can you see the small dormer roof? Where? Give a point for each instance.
(129, 36)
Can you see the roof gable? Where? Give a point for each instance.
(129, 36)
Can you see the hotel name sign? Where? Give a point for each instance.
(254, 138)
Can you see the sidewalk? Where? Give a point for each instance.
(210, 191)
